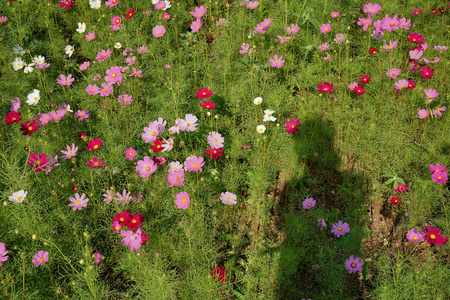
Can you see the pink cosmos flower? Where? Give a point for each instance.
(325, 28)
(199, 12)
(3, 20)
(176, 178)
(143, 49)
(252, 4)
(194, 163)
(293, 29)
(95, 163)
(176, 128)
(405, 24)
(340, 228)
(415, 54)
(158, 31)
(321, 223)
(228, 198)
(106, 89)
(84, 66)
(283, 39)
(352, 85)
(108, 196)
(423, 113)
(182, 200)
(334, 14)
(103, 55)
(62, 80)
(276, 62)
(150, 133)
(165, 16)
(135, 73)
(145, 167)
(196, 25)
(57, 115)
(132, 239)
(52, 163)
(15, 106)
(393, 73)
(440, 177)
(111, 3)
(189, 124)
(390, 24)
(92, 89)
(175, 166)
(436, 168)
(71, 152)
(372, 9)
(167, 144)
(392, 45)
(79, 201)
(123, 198)
(323, 47)
(340, 37)
(114, 75)
(116, 20)
(3, 252)
(90, 36)
(215, 140)
(130, 153)
(40, 258)
(309, 203)
(365, 22)
(440, 48)
(115, 27)
(98, 257)
(245, 49)
(437, 111)
(401, 84)
(353, 264)
(160, 5)
(292, 126)
(125, 99)
(131, 60)
(415, 235)
(430, 94)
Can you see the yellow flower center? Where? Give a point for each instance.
(78, 202)
(309, 204)
(30, 128)
(70, 153)
(19, 198)
(41, 260)
(184, 199)
(432, 236)
(339, 229)
(195, 165)
(147, 169)
(96, 164)
(276, 61)
(113, 75)
(130, 153)
(159, 32)
(415, 238)
(96, 146)
(92, 90)
(177, 179)
(353, 265)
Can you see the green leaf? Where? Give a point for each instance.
(400, 180)
(395, 185)
(364, 271)
(238, 295)
(389, 181)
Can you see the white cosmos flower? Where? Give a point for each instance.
(69, 50)
(268, 115)
(18, 197)
(258, 100)
(39, 60)
(260, 128)
(28, 68)
(34, 97)
(81, 27)
(117, 45)
(18, 64)
(18, 50)
(95, 4)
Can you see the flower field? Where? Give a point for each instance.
(227, 149)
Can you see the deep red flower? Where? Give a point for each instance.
(157, 146)
(204, 93)
(359, 90)
(426, 72)
(219, 273)
(13, 117)
(411, 84)
(123, 218)
(134, 222)
(67, 4)
(82, 136)
(214, 152)
(373, 51)
(364, 79)
(396, 201)
(130, 14)
(144, 238)
(441, 9)
(325, 87)
(95, 144)
(416, 38)
(29, 127)
(433, 11)
(38, 162)
(434, 236)
(74, 188)
(208, 104)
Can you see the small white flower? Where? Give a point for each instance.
(18, 197)
(95, 4)
(258, 100)
(33, 98)
(18, 64)
(268, 115)
(39, 60)
(81, 27)
(69, 50)
(260, 128)
(18, 50)
(117, 45)
(28, 68)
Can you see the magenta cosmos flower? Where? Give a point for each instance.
(292, 126)
(145, 167)
(38, 162)
(276, 62)
(176, 178)
(98, 258)
(130, 153)
(440, 177)
(293, 29)
(309, 203)
(401, 188)
(40, 258)
(340, 228)
(228, 198)
(79, 201)
(194, 163)
(158, 31)
(433, 236)
(415, 236)
(325, 28)
(95, 163)
(182, 200)
(436, 168)
(334, 14)
(353, 264)
(62, 80)
(132, 239)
